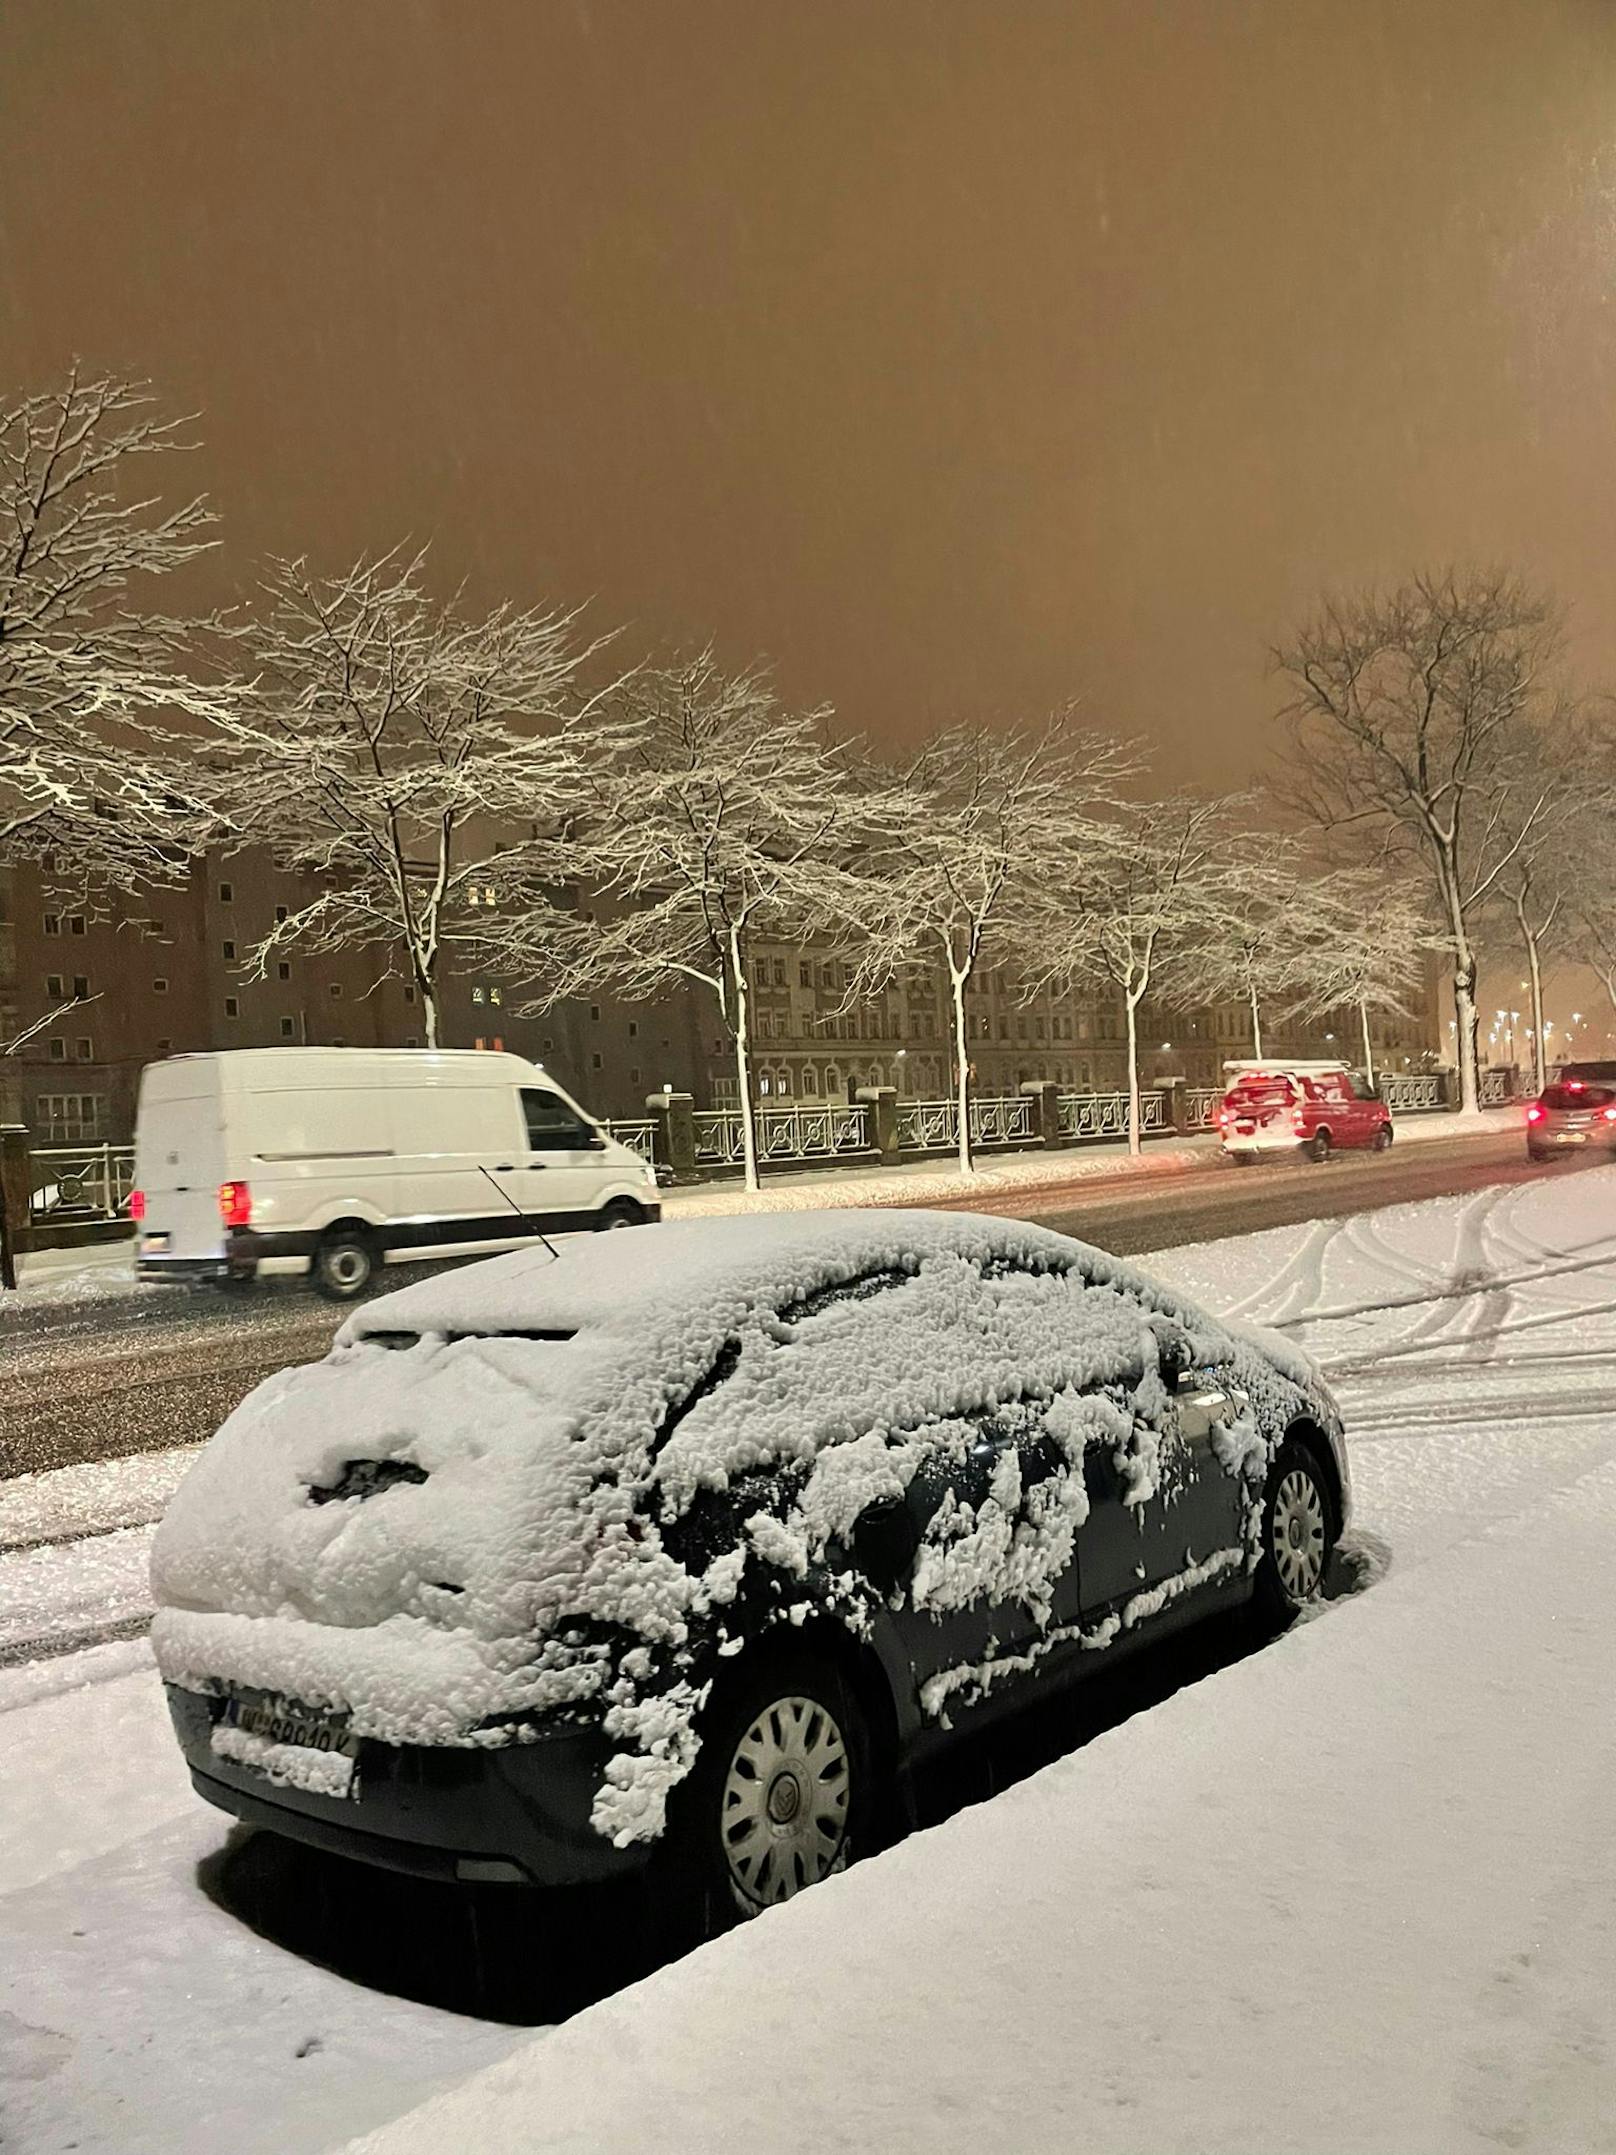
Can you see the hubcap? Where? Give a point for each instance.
(1299, 1535)
(785, 1798)
(347, 1267)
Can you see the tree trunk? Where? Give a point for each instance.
(743, 1065)
(1466, 1026)
(1256, 1026)
(427, 991)
(1136, 1136)
(962, 1088)
(1368, 1049)
(1534, 967)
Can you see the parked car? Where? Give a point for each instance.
(1314, 1108)
(674, 1554)
(332, 1161)
(1576, 1111)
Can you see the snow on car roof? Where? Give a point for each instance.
(620, 1282)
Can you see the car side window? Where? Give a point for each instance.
(552, 1126)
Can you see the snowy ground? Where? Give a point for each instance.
(1352, 1892)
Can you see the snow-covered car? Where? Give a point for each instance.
(677, 1548)
(1310, 1108)
(1576, 1111)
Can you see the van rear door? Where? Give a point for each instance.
(180, 1157)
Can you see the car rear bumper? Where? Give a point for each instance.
(518, 1814)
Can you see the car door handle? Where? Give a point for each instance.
(505, 1167)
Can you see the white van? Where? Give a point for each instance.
(334, 1160)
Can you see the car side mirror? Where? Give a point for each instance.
(885, 1543)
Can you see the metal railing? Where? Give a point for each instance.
(1416, 1094)
(638, 1133)
(80, 1183)
(783, 1133)
(1085, 1115)
(1497, 1088)
(1199, 1108)
(933, 1125)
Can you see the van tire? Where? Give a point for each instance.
(621, 1212)
(343, 1264)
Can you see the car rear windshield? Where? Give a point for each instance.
(1257, 1091)
(1573, 1093)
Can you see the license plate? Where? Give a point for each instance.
(151, 1244)
(286, 1721)
(1246, 1129)
(1569, 1137)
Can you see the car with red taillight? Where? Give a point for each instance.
(1311, 1108)
(1576, 1111)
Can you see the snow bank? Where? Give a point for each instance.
(1350, 1893)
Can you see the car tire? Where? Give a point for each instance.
(780, 1797)
(1536, 1154)
(344, 1263)
(1318, 1146)
(1383, 1138)
(1243, 1159)
(621, 1212)
(1298, 1535)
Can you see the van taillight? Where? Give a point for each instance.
(235, 1204)
(137, 1204)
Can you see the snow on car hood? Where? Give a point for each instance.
(528, 1427)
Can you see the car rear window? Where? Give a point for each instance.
(1573, 1093)
(1260, 1092)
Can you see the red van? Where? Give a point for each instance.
(1299, 1107)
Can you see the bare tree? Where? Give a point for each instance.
(972, 831)
(1255, 952)
(724, 822)
(1365, 939)
(1136, 911)
(1410, 708)
(407, 756)
(1549, 870)
(92, 772)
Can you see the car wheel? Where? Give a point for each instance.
(619, 1213)
(780, 1796)
(1242, 1159)
(1318, 1146)
(1536, 1153)
(344, 1261)
(1298, 1533)
(1383, 1138)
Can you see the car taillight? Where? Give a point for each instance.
(1296, 1118)
(137, 1204)
(235, 1204)
(1534, 1113)
(1610, 1114)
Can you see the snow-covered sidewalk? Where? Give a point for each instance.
(1352, 1893)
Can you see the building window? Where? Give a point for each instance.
(288, 1029)
(810, 1083)
(478, 996)
(779, 972)
(229, 949)
(594, 1062)
(232, 1008)
(409, 991)
(159, 986)
(805, 974)
(165, 1047)
(634, 1077)
(226, 894)
(54, 988)
(633, 1029)
(412, 1040)
(85, 1049)
(336, 991)
(81, 987)
(58, 1051)
(280, 914)
(69, 1118)
(52, 923)
(283, 971)
(594, 1012)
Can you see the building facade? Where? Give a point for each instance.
(132, 981)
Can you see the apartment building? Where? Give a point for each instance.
(132, 980)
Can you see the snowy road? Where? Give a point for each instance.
(146, 1370)
(1473, 1341)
